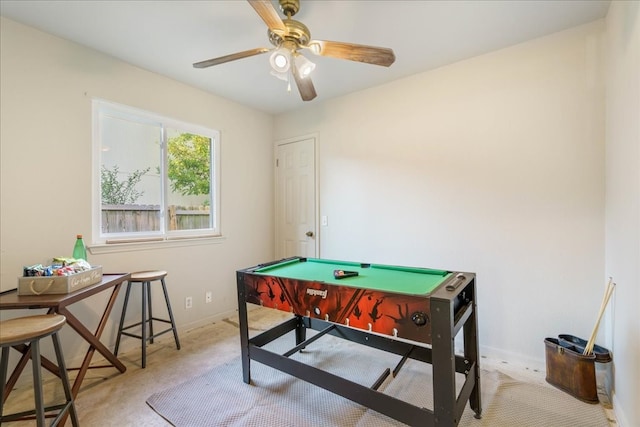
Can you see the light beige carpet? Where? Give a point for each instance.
(220, 398)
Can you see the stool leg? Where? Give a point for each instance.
(144, 324)
(37, 382)
(150, 316)
(4, 366)
(173, 323)
(122, 316)
(65, 380)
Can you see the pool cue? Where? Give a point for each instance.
(588, 349)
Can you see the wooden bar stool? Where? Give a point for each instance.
(29, 330)
(146, 277)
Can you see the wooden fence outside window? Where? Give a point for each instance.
(135, 218)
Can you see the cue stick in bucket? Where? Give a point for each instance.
(605, 300)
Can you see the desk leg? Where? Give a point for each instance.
(94, 344)
(93, 340)
(22, 363)
(25, 350)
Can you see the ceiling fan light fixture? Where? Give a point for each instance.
(304, 67)
(280, 60)
(315, 47)
(281, 76)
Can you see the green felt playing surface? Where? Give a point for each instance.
(407, 280)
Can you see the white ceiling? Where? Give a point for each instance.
(167, 37)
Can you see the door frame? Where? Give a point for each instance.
(316, 188)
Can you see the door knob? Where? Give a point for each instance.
(309, 233)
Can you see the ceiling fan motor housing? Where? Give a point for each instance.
(296, 32)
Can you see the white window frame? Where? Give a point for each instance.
(163, 235)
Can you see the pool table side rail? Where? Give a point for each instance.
(389, 313)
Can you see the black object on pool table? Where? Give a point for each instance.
(341, 274)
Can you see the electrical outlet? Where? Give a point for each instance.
(188, 302)
(208, 297)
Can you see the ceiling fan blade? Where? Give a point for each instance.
(305, 85)
(232, 57)
(269, 15)
(353, 52)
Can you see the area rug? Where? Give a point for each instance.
(219, 397)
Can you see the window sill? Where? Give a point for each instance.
(110, 248)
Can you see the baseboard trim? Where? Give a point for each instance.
(618, 410)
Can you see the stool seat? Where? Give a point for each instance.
(147, 276)
(28, 331)
(24, 329)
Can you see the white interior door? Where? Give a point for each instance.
(296, 199)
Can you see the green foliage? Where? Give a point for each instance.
(189, 164)
(116, 192)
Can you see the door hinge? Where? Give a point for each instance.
(277, 163)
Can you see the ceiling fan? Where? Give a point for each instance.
(289, 36)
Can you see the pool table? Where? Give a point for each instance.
(413, 312)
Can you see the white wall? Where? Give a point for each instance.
(623, 203)
(46, 89)
(493, 165)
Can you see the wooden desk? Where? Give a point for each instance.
(59, 304)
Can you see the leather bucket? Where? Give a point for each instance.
(571, 371)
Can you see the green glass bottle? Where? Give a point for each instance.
(80, 250)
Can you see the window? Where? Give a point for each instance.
(157, 178)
